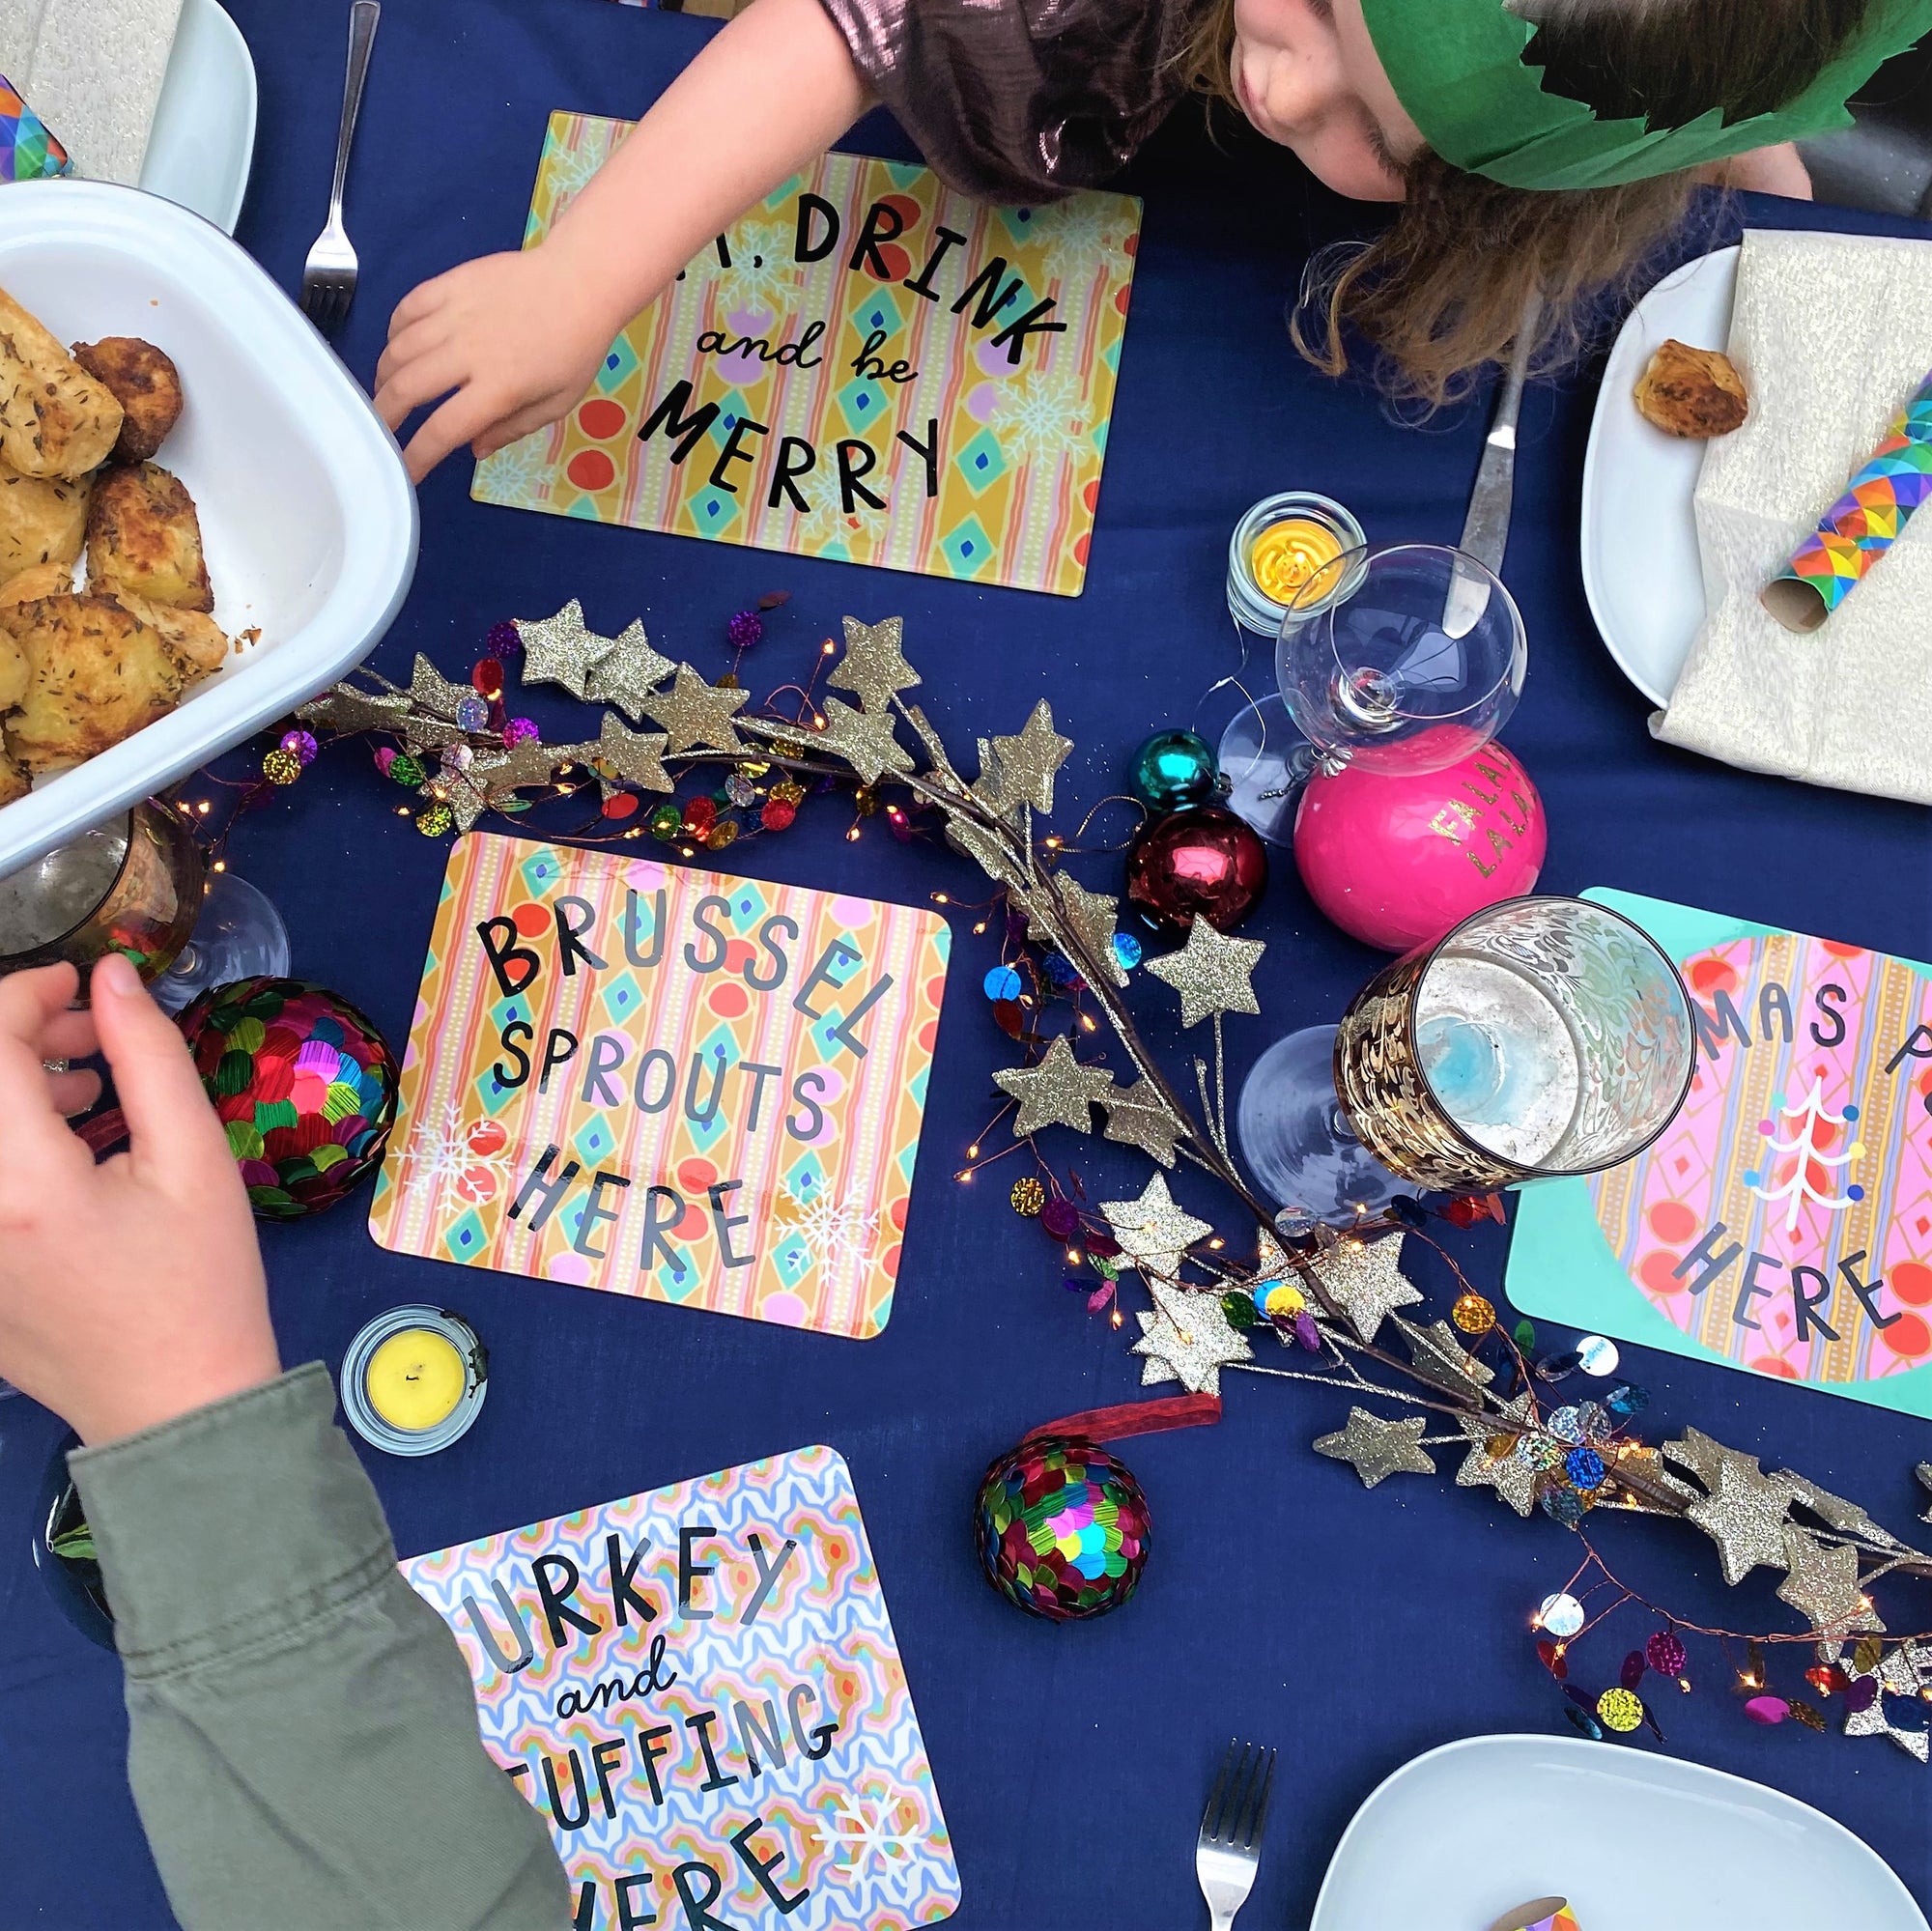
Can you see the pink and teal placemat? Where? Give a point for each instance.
(1784, 1222)
(701, 1690)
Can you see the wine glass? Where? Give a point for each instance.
(139, 885)
(1543, 1036)
(1399, 658)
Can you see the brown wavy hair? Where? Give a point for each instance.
(1442, 292)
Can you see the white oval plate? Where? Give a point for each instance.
(1641, 571)
(1636, 1841)
(203, 142)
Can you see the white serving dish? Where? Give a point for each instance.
(1641, 570)
(203, 141)
(1634, 1840)
(307, 516)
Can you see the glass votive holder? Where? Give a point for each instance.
(413, 1379)
(1276, 547)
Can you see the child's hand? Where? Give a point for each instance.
(510, 335)
(130, 1292)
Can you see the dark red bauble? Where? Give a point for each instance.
(1200, 861)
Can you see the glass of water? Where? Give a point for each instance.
(1543, 1036)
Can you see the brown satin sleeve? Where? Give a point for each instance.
(1016, 101)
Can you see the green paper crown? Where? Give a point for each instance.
(1459, 67)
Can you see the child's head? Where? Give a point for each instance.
(1530, 143)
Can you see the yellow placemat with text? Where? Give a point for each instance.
(866, 366)
(668, 1083)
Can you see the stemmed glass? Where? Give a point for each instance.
(1398, 658)
(139, 885)
(1542, 1037)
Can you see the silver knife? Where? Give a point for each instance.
(1486, 528)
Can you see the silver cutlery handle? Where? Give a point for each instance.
(362, 18)
(1486, 530)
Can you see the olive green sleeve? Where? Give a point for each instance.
(302, 1736)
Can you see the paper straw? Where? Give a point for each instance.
(1861, 525)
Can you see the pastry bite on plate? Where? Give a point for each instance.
(1692, 392)
(55, 418)
(143, 536)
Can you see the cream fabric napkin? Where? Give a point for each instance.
(1832, 334)
(92, 70)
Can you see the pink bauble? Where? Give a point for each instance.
(1397, 862)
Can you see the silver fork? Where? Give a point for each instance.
(328, 276)
(1229, 1848)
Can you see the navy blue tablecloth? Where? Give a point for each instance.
(1352, 1630)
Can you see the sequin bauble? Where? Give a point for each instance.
(303, 744)
(1473, 1314)
(1561, 1614)
(472, 714)
(303, 1085)
(519, 730)
(1174, 768)
(281, 767)
(1027, 1198)
(1665, 1653)
(1063, 1528)
(1203, 862)
(1621, 1709)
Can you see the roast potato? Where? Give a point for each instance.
(55, 418)
(143, 536)
(13, 780)
(145, 382)
(42, 520)
(1692, 392)
(13, 673)
(197, 640)
(43, 579)
(95, 673)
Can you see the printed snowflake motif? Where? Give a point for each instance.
(826, 522)
(1042, 415)
(518, 475)
(861, 1837)
(836, 1231)
(441, 1156)
(1077, 235)
(1811, 1167)
(761, 265)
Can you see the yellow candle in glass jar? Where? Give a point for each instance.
(1286, 554)
(415, 1379)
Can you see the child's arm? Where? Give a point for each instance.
(517, 337)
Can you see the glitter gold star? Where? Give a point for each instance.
(431, 690)
(874, 667)
(1057, 1092)
(1823, 1584)
(1438, 1356)
(1023, 766)
(1364, 1279)
(1896, 1673)
(468, 793)
(346, 709)
(1847, 1518)
(560, 649)
(1375, 1448)
(1189, 1340)
(985, 847)
(637, 756)
(1151, 1229)
(1743, 1514)
(696, 715)
(527, 766)
(1092, 916)
(1137, 1115)
(1512, 1477)
(628, 672)
(1210, 973)
(864, 739)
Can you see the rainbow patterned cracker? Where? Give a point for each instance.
(1542, 1914)
(865, 367)
(754, 1655)
(709, 1091)
(28, 148)
(1861, 525)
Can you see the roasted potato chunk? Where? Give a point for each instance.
(13, 780)
(24, 587)
(95, 673)
(143, 536)
(197, 640)
(42, 520)
(13, 673)
(55, 418)
(1692, 392)
(145, 382)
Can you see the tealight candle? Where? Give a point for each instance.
(1282, 545)
(413, 1379)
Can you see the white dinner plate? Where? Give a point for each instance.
(1636, 1841)
(1641, 570)
(203, 141)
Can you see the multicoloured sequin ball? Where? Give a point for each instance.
(1063, 1528)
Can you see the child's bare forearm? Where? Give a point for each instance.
(771, 91)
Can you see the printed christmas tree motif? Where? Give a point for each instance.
(862, 1833)
(1805, 1183)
